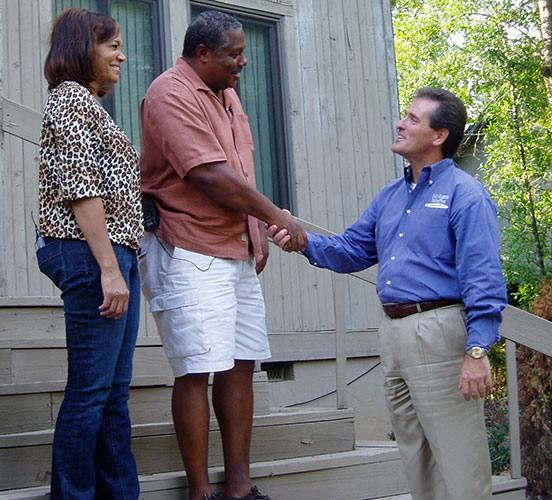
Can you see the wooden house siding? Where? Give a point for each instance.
(25, 30)
(340, 103)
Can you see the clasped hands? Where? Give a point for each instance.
(287, 233)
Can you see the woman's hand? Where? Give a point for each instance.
(90, 215)
(116, 294)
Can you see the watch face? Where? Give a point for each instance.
(477, 352)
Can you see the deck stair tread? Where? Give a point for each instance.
(25, 457)
(284, 473)
(369, 472)
(279, 417)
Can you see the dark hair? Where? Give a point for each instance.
(209, 28)
(451, 114)
(71, 54)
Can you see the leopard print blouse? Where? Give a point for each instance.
(84, 154)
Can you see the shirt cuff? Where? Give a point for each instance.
(483, 332)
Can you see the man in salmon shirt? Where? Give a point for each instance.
(199, 267)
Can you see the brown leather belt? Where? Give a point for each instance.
(395, 311)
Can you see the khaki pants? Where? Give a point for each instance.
(441, 437)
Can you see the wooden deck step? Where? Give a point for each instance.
(348, 475)
(372, 471)
(504, 488)
(34, 406)
(25, 457)
(33, 375)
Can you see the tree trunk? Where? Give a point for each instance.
(545, 10)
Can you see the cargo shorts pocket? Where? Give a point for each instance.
(179, 323)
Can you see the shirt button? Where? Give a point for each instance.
(408, 211)
(401, 235)
(393, 258)
(389, 282)
(431, 182)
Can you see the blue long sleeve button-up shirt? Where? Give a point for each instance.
(437, 240)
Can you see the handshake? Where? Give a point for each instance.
(287, 233)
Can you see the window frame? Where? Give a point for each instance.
(159, 55)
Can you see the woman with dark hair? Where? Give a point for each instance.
(90, 226)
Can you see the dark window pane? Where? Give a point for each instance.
(256, 86)
(83, 4)
(137, 19)
(138, 71)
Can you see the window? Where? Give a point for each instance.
(139, 20)
(261, 95)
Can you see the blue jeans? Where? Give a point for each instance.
(91, 453)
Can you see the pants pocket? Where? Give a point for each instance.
(453, 327)
(50, 261)
(179, 323)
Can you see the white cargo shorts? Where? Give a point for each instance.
(208, 311)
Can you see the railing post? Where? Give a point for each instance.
(513, 410)
(339, 284)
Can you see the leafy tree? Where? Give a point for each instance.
(545, 11)
(492, 55)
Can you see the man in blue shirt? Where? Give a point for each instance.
(434, 235)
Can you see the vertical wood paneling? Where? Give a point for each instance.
(271, 283)
(386, 86)
(391, 112)
(340, 118)
(342, 172)
(3, 214)
(306, 281)
(310, 91)
(362, 161)
(293, 113)
(31, 65)
(316, 293)
(12, 146)
(360, 76)
(26, 26)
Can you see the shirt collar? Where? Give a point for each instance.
(431, 172)
(183, 67)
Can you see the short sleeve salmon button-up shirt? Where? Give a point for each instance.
(185, 125)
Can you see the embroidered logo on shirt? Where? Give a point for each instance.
(438, 201)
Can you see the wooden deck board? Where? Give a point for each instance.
(371, 472)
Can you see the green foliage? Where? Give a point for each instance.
(499, 447)
(488, 52)
(496, 412)
(497, 357)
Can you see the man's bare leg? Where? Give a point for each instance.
(233, 405)
(190, 409)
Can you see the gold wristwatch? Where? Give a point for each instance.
(476, 352)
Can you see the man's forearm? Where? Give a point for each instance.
(222, 184)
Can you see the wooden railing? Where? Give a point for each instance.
(339, 283)
(518, 327)
(521, 327)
